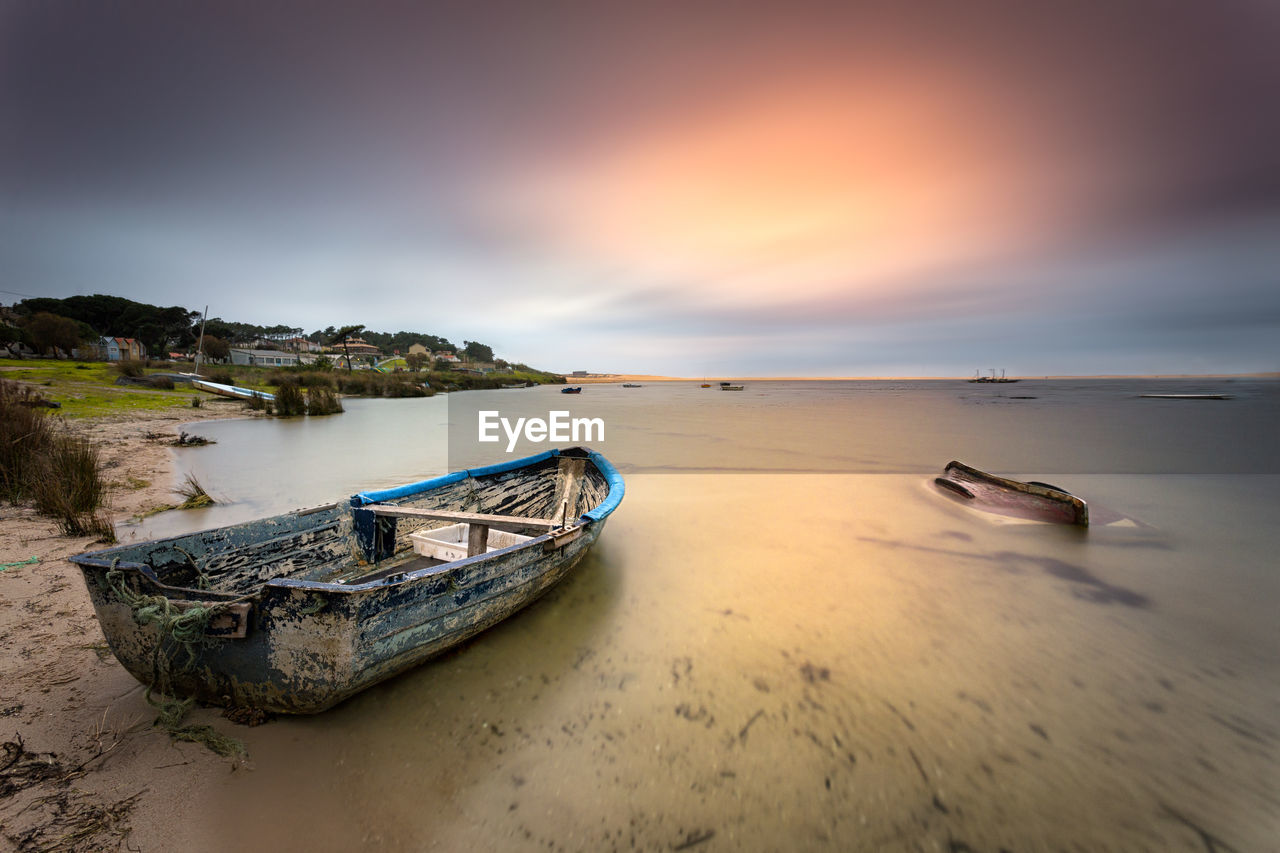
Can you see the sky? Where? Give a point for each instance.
(697, 189)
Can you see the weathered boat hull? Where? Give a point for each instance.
(297, 641)
(1014, 498)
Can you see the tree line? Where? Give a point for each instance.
(46, 324)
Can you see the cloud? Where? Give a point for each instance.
(658, 187)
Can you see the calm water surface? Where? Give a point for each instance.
(786, 639)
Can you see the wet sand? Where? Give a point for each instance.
(859, 665)
(784, 661)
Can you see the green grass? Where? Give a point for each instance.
(88, 389)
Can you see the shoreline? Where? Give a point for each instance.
(67, 702)
(646, 377)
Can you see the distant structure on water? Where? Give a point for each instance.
(977, 377)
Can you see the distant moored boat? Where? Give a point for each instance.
(992, 378)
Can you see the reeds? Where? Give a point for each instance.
(322, 401)
(289, 400)
(25, 437)
(60, 473)
(130, 367)
(304, 378)
(194, 494)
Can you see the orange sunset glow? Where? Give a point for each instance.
(865, 190)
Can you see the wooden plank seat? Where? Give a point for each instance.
(501, 522)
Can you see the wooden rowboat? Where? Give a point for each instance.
(302, 610)
(1030, 500)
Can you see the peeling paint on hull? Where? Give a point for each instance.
(313, 640)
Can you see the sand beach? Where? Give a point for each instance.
(83, 767)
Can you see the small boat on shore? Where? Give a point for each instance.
(706, 384)
(725, 386)
(1029, 500)
(231, 390)
(631, 385)
(297, 612)
(577, 390)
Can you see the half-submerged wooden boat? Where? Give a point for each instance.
(302, 610)
(724, 386)
(1031, 500)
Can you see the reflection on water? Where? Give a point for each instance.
(803, 661)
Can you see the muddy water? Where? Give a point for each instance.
(796, 661)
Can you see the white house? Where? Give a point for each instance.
(263, 357)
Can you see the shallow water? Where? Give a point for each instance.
(795, 660)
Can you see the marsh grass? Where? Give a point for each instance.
(289, 400)
(194, 494)
(323, 401)
(60, 473)
(304, 378)
(70, 490)
(26, 436)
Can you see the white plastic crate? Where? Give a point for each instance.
(450, 543)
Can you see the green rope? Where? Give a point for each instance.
(4, 566)
(186, 628)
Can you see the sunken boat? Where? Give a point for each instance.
(1028, 500)
(297, 612)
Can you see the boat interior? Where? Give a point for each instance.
(431, 527)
